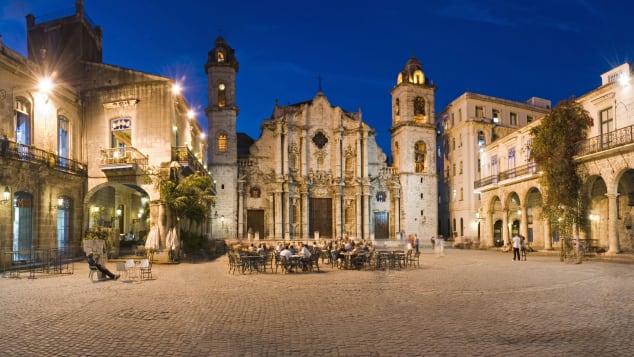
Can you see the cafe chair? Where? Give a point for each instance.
(92, 272)
(121, 268)
(130, 268)
(146, 269)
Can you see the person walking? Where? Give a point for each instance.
(517, 244)
(523, 248)
(440, 247)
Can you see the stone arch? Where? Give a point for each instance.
(122, 208)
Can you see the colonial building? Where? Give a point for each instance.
(76, 155)
(512, 195)
(316, 169)
(467, 125)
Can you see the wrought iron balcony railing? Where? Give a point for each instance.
(187, 159)
(520, 171)
(122, 157)
(606, 141)
(15, 151)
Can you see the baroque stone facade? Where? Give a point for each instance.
(316, 170)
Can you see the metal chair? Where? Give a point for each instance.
(121, 269)
(130, 268)
(146, 269)
(92, 271)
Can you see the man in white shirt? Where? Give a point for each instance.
(517, 244)
(305, 254)
(285, 255)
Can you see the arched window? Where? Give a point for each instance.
(222, 142)
(420, 156)
(419, 106)
(222, 95)
(380, 196)
(397, 108)
(220, 56)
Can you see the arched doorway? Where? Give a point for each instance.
(498, 241)
(122, 212)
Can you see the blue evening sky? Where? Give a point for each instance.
(552, 49)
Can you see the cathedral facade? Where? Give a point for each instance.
(316, 170)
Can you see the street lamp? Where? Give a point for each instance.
(6, 195)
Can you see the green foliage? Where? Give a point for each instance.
(193, 243)
(553, 149)
(186, 197)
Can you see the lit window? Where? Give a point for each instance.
(420, 155)
(222, 143)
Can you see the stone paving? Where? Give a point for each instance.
(467, 303)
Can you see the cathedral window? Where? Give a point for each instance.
(221, 56)
(397, 108)
(420, 155)
(320, 140)
(419, 106)
(380, 196)
(255, 192)
(222, 142)
(222, 95)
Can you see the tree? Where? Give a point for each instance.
(188, 197)
(553, 150)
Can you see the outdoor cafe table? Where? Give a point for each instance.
(251, 262)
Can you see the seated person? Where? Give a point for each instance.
(305, 254)
(101, 268)
(285, 255)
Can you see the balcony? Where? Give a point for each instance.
(19, 152)
(124, 160)
(516, 173)
(188, 161)
(606, 141)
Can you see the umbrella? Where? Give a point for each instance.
(171, 241)
(153, 239)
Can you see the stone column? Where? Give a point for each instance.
(505, 226)
(548, 241)
(613, 238)
(488, 223)
(524, 223)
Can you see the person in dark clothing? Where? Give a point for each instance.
(101, 268)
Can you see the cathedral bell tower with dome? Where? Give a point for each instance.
(222, 113)
(413, 137)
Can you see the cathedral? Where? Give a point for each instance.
(316, 170)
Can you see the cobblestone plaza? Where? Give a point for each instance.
(468, 302)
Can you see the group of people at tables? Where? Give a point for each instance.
(344, 253)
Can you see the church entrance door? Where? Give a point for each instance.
(320, 219)
(255, 222)
(381, 227)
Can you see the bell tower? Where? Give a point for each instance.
(413, 137)
(222, 113)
